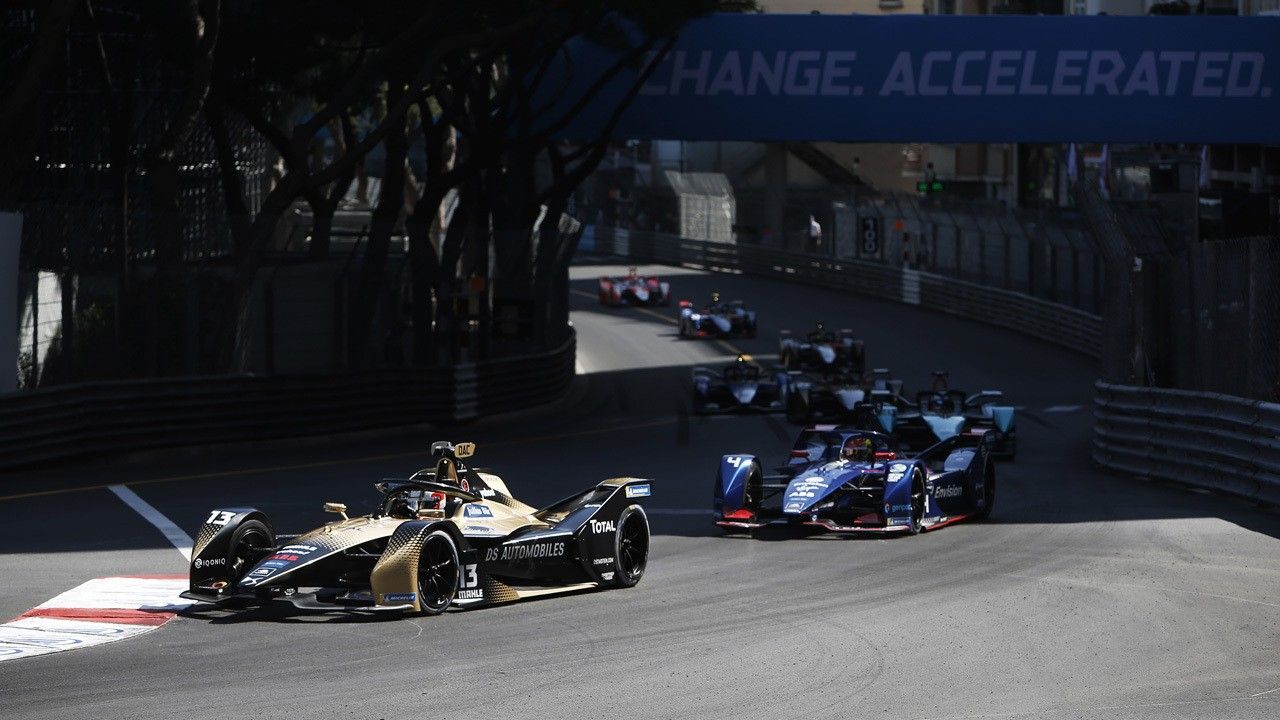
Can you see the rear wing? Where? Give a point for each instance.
(939, 451)
(574, 511)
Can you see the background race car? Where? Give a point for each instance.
(742, 386)
(717, 319)
(847, 480)
(942, 413)
(448, 536)
(836, 396)
(822, 351)
(634, 289)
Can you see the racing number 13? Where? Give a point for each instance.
(219, 517)
(468, 578)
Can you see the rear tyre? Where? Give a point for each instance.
(630, 547)
(438, 566)
(918, 502)
(249, 543)
(798, 411)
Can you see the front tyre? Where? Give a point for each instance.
(919, 502)
(251, 541)
(631, 547)
(437, 573)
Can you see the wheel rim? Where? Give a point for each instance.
(437, 573)
(633, 546)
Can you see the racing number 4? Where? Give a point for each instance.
(734, 460)
(468, 578)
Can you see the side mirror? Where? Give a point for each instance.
(337, 508)
(887, 455)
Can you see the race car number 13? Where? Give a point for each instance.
(219, 517)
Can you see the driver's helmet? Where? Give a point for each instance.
(819, 331)
(633, 272)
(714, 305)
(403, 506)
(858, 449)
(741, 367)
(937, 402)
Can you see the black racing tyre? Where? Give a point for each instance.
(251, 541)
(630, 547)
(988, 492)
(918, 501)
(438, 573)
(790, 361)
(798, 411)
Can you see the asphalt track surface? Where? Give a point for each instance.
(1087, 595)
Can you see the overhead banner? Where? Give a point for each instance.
(948, 79)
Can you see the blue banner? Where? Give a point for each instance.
(949, 79)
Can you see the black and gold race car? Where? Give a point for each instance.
(448, 536)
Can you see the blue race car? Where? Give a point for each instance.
(716, 319)
(821, 351)
(847, 480)
(941, 413)
(742, 386)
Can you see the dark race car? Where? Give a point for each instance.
(847, 480)
(822, 351)
(835, 396)
(634, 289)
(716, 319)
(742, 386)
(941, 413)
(448, 536)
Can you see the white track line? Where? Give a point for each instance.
(677, 511)
(180, 539)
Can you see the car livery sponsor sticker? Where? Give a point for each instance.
(947, 491)
(603, 526)
(525, 552)
(480, 530)
(400, 597)
(635, 491)
(476, 510)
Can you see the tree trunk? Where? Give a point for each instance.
(385, 217)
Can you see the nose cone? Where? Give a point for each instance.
(827, 354)
(744, 392)
(944, 427)
(722, 323)
(849, 397)
(802, 493)
(641, 292)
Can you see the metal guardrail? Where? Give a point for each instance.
(128, 415)
(1220, 442)
(1060, 324)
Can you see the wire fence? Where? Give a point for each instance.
(1044, 254)
(1176, 312)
